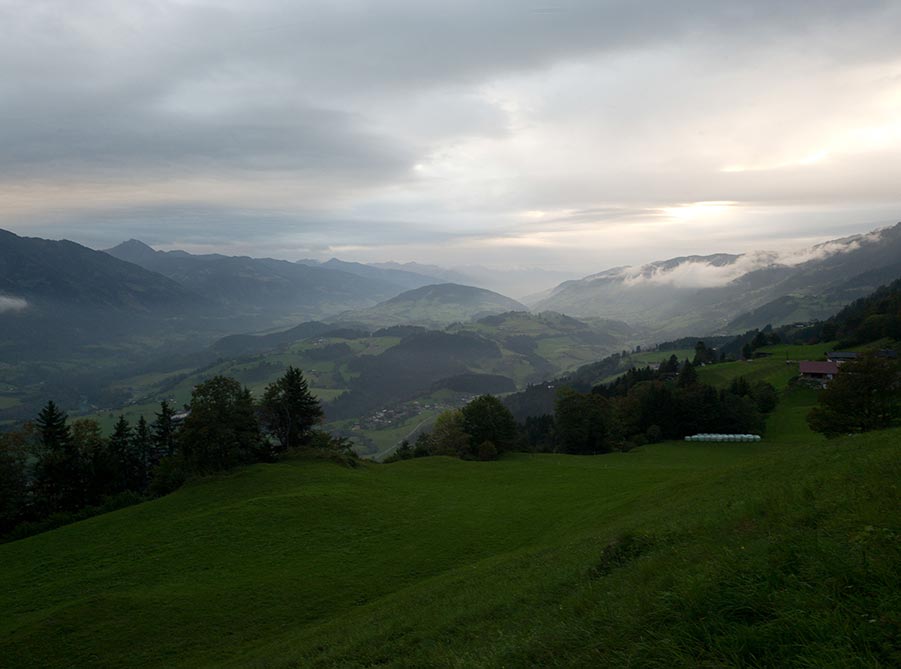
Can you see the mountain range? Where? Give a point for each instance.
(729, 292)
(59, 295)
(272, 290)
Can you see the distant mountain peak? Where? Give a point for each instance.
(131, 250)
(436, 304)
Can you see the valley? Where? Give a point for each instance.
(412, 344)
(474, 335)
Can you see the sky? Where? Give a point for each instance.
(570, 135)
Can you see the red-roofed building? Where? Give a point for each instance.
(819, 371)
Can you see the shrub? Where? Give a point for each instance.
(487, 451)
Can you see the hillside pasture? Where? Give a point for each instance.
(771, 554)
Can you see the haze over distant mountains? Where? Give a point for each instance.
(135, 289)
(516, 282)
(261, 285)
(435, 306)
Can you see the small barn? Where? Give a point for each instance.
(841, 356)
(818, 371)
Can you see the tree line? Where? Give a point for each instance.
(52, 467)
(643, 405)
(865, 395)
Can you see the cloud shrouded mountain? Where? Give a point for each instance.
(705, 293)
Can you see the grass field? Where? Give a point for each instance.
(777, 368)
(783, 553)
(651, 357)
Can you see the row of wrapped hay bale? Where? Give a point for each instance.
(723, 437)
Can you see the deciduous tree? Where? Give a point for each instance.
(487, 419)
(864, 395)
(221, 430)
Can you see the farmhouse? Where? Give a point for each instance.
(818, 371)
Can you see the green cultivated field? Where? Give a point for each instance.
(780, 366)
(783, 553)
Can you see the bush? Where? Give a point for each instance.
(487, 451)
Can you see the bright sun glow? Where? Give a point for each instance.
(698, 210)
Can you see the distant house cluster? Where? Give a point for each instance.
(822, 372)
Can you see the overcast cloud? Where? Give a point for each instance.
(571, 134)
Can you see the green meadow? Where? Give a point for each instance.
(778, 554)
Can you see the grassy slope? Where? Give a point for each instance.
(778, 368)
(783, 553)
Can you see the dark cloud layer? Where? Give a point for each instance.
(347, 123)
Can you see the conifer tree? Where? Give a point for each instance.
(59, 467)
(687, 376)
(14, 484)
(142, 452)
(163, 432)
(122, 456)
(289, 410)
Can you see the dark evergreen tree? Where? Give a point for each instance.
(289, 410)
(124, 461)
(670, 366)
(53, 430)
(423, 445)
(402, 452)
(163, 432)
(703, 355)
(142, 451)
(760, 340)
(650, 403)
(583, 422)
(540, 433)
(687, 375)
(740, 386)
(14, 489)
(58, 471)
